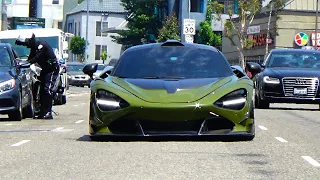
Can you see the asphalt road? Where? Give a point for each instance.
(287, 146)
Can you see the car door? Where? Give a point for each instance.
(24, 77)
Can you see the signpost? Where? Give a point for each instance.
(189, 29)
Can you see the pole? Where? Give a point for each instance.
(189, 8)
(87, 28)
(316, 32)
(101, 36)
(268, 33)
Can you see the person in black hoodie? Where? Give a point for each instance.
(42, 54)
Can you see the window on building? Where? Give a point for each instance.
(59, 25)
(55, 1)
(197, 6)
(98, 28)
(79, 31)
(98, 51)
(70, 27)
(75, 28)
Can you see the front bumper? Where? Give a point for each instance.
(183, 120)
(9, 101)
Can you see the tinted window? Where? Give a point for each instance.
(186, 62)
(5, 60)
(23, 51)
(300, 59)
(75, 67)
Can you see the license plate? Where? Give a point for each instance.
(300, 91)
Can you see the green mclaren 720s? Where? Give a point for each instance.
(171, 89)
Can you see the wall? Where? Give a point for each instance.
(292, 23)
(113, 20)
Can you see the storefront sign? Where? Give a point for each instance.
(301, 39)
(260, 39)
(253, 29)
(313, 38)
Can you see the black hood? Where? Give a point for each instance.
(291, 72)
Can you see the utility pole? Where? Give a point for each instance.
(268, 33)
(87, 28)
(316, 32)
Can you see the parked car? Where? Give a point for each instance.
(113, 62)
(171, 88)
(16, 98)
(99, 70)
(75, 75)
(287, 76)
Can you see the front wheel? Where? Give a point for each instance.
(260, 104)
(17, 114)
(28, 112)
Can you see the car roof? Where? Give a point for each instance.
(293, 50)
(172, 43)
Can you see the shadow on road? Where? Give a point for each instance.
(290, 109)
(158, 139)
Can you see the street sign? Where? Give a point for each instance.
(189, 27)
(189, 38)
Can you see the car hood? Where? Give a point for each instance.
(291, 72)
(171, 91)
(4, 76)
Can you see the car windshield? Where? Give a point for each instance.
(75, 67)
(172, 62)
(294, 60)
(5, 60)
(23, 52)
(101, 67)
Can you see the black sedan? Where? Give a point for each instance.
(287, 76)
(16, 98)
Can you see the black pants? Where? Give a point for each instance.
(48, 80)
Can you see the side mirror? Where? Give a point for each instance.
(65, 55)
(254, 67)
(23, 64)
(90, 69)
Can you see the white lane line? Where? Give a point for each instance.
(8, 124)
(281, 139)
(75, 105)
(58, 129)
(311, 161)
(263, 128)
(80, 121)
(20, 143)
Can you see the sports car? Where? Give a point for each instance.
(287, 76)
(171, 89)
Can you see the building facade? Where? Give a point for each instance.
(110, 13)
(50, 10)
(293, 28)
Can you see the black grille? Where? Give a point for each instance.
(307, 85)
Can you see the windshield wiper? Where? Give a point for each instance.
(162, 77)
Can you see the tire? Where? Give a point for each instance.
(260, 104)
(60, 100)
(63, 99)
(29, 111)
(17, 114)
(252, 133)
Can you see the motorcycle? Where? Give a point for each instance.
(59, 88)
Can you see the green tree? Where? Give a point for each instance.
(143, 22)
(170, 29)
(104, 56)
(206, 34)
(78, 47)
(247, 11)
(80, 1)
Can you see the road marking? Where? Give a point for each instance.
(8, 124)
(83, 103)
(263, 128)
(20, 143)
(75, 105)
(58, 129)
(281, 139)
(80, 121)
(311, 161)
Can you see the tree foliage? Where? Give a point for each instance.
(206, 34)
(80, 1)
(104, 56)
(78, 46)
(170, 29)
(247, 11)
(143, 22)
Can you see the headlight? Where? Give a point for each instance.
(7, 85)
(107, 101)
(235, 100)
(270, 80)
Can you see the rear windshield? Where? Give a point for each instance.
(173, 61)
